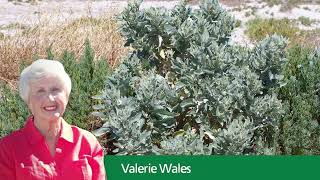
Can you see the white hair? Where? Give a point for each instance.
(39, 69)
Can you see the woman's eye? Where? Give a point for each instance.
(55, 89)
(40, 91)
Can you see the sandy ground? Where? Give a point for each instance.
(261, 9)
(60, 10)
(66, 10)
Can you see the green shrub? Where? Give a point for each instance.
(305, 21)
(306, 8)
(238, 23)
(300, 130)
(2, 36)
(13, 110)
(186, 90)
(271, 3)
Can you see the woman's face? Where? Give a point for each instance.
(47, 99)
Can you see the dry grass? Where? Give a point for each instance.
(310, 38)
(29, 43)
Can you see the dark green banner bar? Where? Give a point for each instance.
(212, 167)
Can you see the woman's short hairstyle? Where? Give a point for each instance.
(39, 69)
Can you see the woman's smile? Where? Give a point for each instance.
(50, 108)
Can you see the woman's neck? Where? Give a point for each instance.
(50, 129)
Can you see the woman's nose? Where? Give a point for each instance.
(51, 97)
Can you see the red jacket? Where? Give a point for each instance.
(24, 155)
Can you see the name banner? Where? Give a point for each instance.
(213, 167)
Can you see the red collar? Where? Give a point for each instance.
(34, 135)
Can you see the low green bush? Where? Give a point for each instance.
(258, 28)
(299, 128)
(305, 21)
(13, 110)
(88, 76)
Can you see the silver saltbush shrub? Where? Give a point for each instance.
(185, 89)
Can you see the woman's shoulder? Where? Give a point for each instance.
(83, 134)
(12, 138)
(87, 140)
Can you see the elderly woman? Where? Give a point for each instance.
(47, 147)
